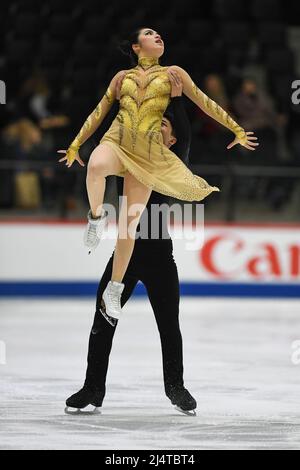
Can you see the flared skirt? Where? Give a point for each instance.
(152, 163)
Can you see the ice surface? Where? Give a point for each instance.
(237, 364)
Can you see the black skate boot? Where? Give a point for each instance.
(183, 400)
(83, 399)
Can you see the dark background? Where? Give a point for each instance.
(57, 58)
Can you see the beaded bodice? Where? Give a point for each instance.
(144, 96)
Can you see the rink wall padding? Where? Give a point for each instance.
(224, 260)
(80, 289)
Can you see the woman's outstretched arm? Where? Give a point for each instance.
(215, 111)
(93, 121)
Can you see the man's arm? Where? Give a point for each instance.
(183, 129)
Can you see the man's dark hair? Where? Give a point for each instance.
(170, 116)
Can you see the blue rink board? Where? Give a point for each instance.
(202, 289)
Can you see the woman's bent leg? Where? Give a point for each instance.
(103, 162)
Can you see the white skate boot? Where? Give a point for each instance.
(112, 301)
(94, 230)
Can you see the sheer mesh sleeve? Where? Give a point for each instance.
(94, 120)
(209, 106)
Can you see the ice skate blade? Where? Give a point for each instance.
(186, 412)
(111, 320)
(77, 412)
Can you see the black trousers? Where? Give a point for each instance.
(152, 263)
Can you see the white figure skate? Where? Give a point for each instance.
(112, 300)
(94, 230)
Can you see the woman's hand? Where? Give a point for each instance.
(119, 84)
(69, 162)
(249, 144)
(176, 82)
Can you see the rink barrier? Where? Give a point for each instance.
(195, 289)
(236, 260)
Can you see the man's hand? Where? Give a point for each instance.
(119, 84)
(176, 82)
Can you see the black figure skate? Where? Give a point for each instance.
(183, 400)
(82, 400)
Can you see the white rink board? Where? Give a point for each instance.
(225, 255)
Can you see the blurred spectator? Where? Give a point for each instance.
(214, 88)
(37, 101)
(209, 137)
(23, 142)
(254, 107)
(32, 130)
(257, 112)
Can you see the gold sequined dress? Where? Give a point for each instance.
(135, 133)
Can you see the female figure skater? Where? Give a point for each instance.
(133, 148)
(148, 253)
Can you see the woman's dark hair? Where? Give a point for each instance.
(125, 46)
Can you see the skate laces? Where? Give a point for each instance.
(114, 297)
(91, 233)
